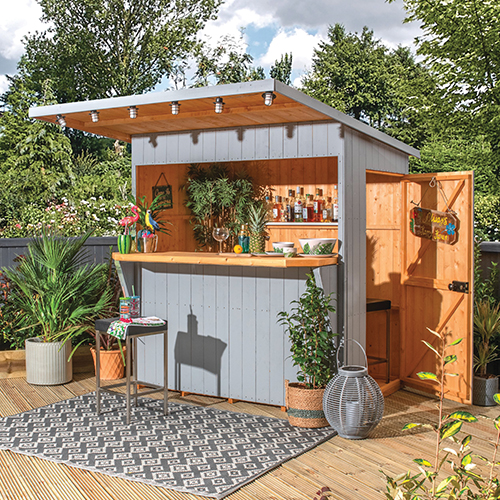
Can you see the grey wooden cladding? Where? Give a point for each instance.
(224, 338)
(292, 140)
(97, 247)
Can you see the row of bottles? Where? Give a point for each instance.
(308, 208)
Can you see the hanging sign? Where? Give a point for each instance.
(433, 225)
(164, 191)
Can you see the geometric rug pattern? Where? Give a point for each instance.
(199, 450)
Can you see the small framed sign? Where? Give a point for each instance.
(164, 191)
(434, 225)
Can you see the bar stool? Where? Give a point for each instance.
(373, 305)
(133, 332)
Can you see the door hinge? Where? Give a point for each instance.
(459, 286)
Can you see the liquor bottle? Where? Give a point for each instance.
(335, 205)
(326, 213)
(277, 209)
(244, 239)
(298, 215)
(290, 206)
(318, 206)
(308, 209)
(269, 208)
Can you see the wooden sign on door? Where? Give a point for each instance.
(434, 225)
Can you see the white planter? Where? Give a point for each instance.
(483, 391)
(47, 362)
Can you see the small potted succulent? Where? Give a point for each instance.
(312, 346)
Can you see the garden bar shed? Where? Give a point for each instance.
(224, 337)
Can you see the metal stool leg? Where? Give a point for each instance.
(129, 359)
(98, 370)
(388, 344)
(165, 372)
(134, 355)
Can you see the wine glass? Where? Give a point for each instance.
(220, 234)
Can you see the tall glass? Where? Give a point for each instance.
(220, 234)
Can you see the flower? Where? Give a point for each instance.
(450, 228)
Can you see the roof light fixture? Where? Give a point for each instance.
(268, 98)
(175, 107)
(219, 105)
(132, 111)
(60, 119)
(94, 115)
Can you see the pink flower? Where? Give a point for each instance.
(18, 226)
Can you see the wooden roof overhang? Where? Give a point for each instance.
(243, 107)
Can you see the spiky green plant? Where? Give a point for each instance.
(157, 208)
(59, 293)
(257, 218)
(486, 327)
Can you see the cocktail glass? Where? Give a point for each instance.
(220, 234)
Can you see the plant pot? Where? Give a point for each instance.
(111, 363)
(47, 362)
(305, 406)
(149, 244)
(124, 243)
(483, 391)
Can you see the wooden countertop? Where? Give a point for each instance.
(227, 259)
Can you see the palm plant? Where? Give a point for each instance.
(59, 293)
(486, 326)
(157, 206)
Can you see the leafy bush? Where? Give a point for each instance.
(487, 217)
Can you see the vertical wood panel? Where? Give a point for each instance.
(276, 142)
(161, 149)
(276, 347)
(290, 140)
(208, 147)
(249, 330)
(222, 144)
(222, 315)
(319, 140)
(185, 144)
(305, 140)
(261, 150)
(197, 328)
(263, 296)
(236, 354)
(236, 141)
(171, 151)
(211, 360)
(137, 150)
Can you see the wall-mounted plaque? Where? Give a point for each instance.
(164, 191)
(433, 225)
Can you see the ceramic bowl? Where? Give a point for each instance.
(289, 252)
(317, 246)
(279, 246)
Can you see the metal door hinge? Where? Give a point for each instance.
(459, 286)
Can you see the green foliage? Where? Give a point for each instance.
(311, 335)
(487, 217)
(157, 207)
(486, 328)
(98, 48)
(282, 69)
(217, 198)
(58, 295)
(463, 482)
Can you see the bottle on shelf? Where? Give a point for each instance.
(318, 206)
(289, 216)
(308, 209)
(277, 209)
(326, 213)
(244, 238)
(298, 215)
(269, 208)
(335, 205)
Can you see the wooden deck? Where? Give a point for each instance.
(349, 468)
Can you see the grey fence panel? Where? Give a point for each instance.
(98, 249)
(490, 253)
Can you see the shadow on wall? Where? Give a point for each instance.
(198, 351)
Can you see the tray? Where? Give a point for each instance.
(325, 256)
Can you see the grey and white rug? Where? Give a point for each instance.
(203, 451)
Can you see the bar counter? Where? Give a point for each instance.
(226, 259)
(222, 311)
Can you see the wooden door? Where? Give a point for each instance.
(428, 268)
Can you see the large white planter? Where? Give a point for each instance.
(47, 362)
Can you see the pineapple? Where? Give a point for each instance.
(257, 218)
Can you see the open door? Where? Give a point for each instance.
(437, 278)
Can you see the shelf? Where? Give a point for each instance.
(206, 258)
(303, 224)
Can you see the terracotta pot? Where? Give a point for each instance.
(305, 406)
(111, 363)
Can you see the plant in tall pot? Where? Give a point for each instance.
(486, 327)
(312, 347)
(58, 294)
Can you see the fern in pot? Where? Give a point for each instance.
(58, 296)
(312, 347)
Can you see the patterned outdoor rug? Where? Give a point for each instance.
(198, 450)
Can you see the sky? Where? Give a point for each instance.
(271, 28)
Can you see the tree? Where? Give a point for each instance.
(103, 48)
(282, 69)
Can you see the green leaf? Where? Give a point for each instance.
(411, 426)
(450, 359)
(422, 461)
(466, 440)
(496, 398)
(434, 333)
(427, 376)
(466, 460)
(456, 342)
(431, 347)
(443, 484)
(451, 429)
(497, 423)
(465, 416)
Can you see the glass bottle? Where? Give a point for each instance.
(318, 205)
(298, 215)
(308, 209)
(335, 205)
(327, 211)
(290, 206)
(244, 239)
(277, 209)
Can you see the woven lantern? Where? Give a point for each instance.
(353, 402)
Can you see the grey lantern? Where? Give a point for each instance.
(353, 402)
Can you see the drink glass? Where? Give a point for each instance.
(220, 234)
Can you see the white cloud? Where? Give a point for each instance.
(4, 84)
(297, 41)
(17, 20)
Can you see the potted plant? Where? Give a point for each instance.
(486, 327)
(312, 346)
(58, 295)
